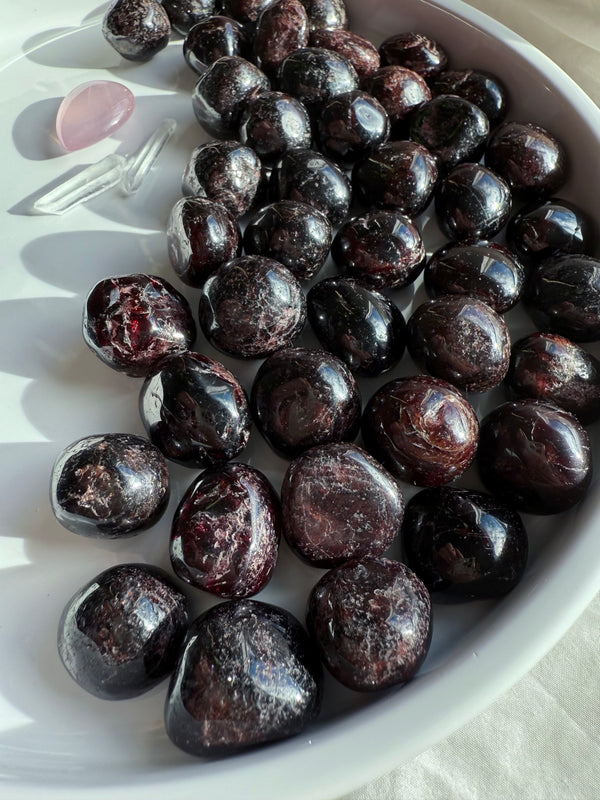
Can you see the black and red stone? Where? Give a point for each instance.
(360, 52)
(414, 51)
(282, 29)
(400, 91)
(226, 530)
(339, 504)
(212, 39)
(137, 29)
(351, 125)
(371, 620)
(482, 88)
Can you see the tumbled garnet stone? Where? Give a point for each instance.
(281, 30)
(360, 52)
(137, 29)
(415, 51)
(315, 75)
(212, 39)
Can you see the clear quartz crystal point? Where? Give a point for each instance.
(88, 183)
(140, 164)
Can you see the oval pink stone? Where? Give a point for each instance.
(91, 112)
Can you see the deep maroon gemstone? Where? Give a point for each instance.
(137, 29)
(108, 486)
(315, 75)
(482, 88)
(547, 229)
(252, 307)
(131, 322)
(226, 531)
(184, 14)
(248, 675)
(351, 125)
(245, 11)
(306, 176)
(399, 175)
(195, 411)
(452, 128)
(339, 503)
(460, 339)
(464, 543)
(121, 633)
(292, 233)
(226, 172)
(472, 202)
(359, 325)
(221, 91)
(326, 14)
(400, 91)
(212, 39)
(301, 398)
(274, 123)
(562, 296)
(372, 622)
(483, 269)
(545, 366)
(422, 429)
(201, 235)
(382, 249)
(414, 51)
(282, 29)
(360, 52)
(528, 157)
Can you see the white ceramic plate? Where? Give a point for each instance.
(55, 740)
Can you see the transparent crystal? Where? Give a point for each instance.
(88, 183)
(140, 164)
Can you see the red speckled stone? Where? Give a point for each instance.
(226, 531)
(422, 429)
(360, 52)
(137, 29)
(282, 28)
(372, 622)
(415, 51)
(400, 91)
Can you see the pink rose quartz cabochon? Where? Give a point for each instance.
(91, 112)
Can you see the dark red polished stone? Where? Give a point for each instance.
(133, 321)
(245, 11)
(184, 14)
(226, 531)
(372, 622)
(400, 91)
(201, 235)
(422, 429)
(360, 52)
(108, 486)
(326, 14)
(281, 30)
(248, 675)
(546, 366)
(195, 410)
(339, 503)
(121, 633)
(212, 39)
(137, 29)
(314, 75)
(301, 398)
(461, 340)
(464, 542)
(534, 456)
(415, 51)
(351, 125)
(273, 123)
(252, 307)
(482, 88)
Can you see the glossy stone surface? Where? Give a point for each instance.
(401, 91)
(534, 456)
(133, 321)
(338, 504)
(301, 398)
(464, 543)
(483, 269)
(359, 325)
(195, 411)
(92, 111)
(282, 29)
(547, 229)
(109, 486)
(422, 429)
(292, 233)
(372, 622)
(472, 202)
(460, 339)
(226, 530)
(201, 235)
(482, 88)
(351, 125)
(528, 157)
(137, 29)
(245, 11)
(184, 14)
(562, 296)
(121, 633)
(212, 39)
(306, 176)
(248, 675)
(545, 366)
(415, 51)
(453, 129)
(382, 249)
(226, 172)
(399, 174)
(221, 91)
(326, 14)
(251, 307)
(315, 75)
(360, 52)
(274, 123)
